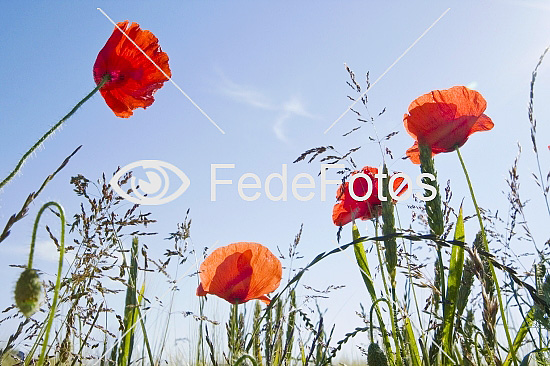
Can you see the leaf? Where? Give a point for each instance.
(520, 335)
(455, 278)
(411, 341)
(363, 265)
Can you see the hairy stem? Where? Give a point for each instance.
(59, 272)
(38, 143)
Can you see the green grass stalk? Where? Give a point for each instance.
(234, 333)
(520, 336)
(486, 247)
(290, 328)
(453, 285)
(278, 341)
(363, 265)
(130, 309)
(410, 340)
(390, 244)
(257, 346)
(268, 333)
(435, 217)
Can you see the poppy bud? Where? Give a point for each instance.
(375, 356)
(28, 292)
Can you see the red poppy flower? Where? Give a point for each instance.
(133, 78)
(240, 272)
(444, 119)
(348, 209)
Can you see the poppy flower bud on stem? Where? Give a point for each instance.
(28, 289)
(28, 292)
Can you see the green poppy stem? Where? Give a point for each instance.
(435, 219)
(233, 336)
(371, 325)
(59, 272)
(486, 247)
(38, 143)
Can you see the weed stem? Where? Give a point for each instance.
(486, 247)
(59, 273)
(23, 159)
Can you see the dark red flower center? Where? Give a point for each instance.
(115, 76)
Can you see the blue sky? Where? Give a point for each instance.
(272, 76)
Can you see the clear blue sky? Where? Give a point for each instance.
(272, 76)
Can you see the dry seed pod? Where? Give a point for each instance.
(28, 292)
(375, 356)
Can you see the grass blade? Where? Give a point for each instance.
(411, 341)
(520, 335)
(130, 310)
(453, 284)
(363, 264)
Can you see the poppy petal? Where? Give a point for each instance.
(264, 299)
(240, 272)
(342, 215)
(119, 108)
(200, 290)
(483, 123)
(413, 153)
(267, 275)
(444, 119)
(348, 209)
